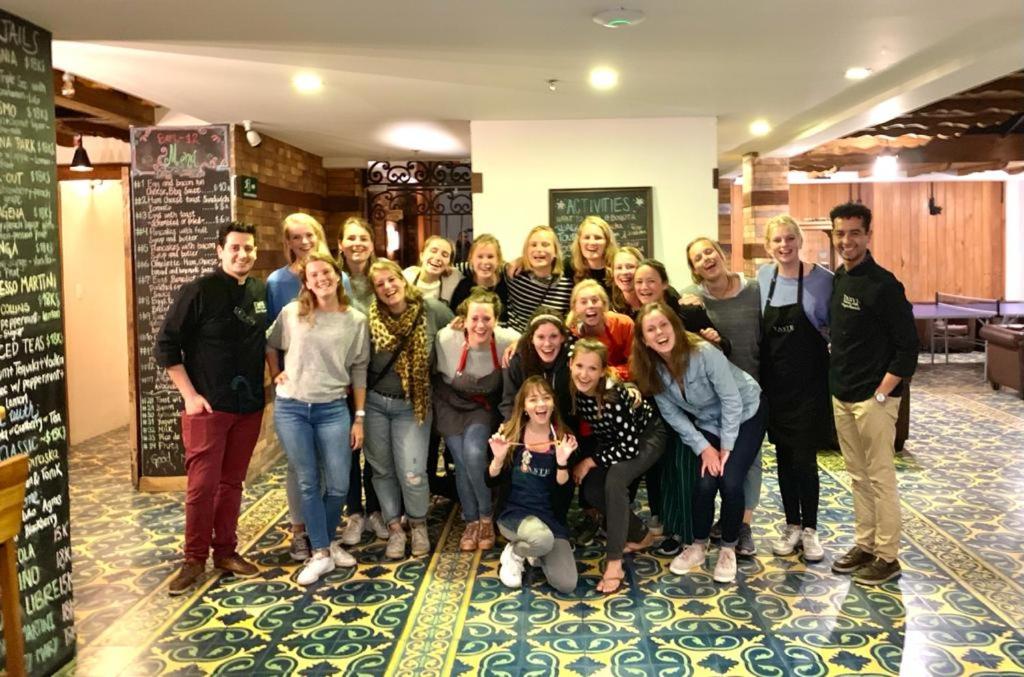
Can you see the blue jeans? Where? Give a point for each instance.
(316, 439)
(396, 446)
(470, 453)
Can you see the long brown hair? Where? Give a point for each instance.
(611, 247)
(512, 429)
(592, 345)
(643, 362)
(361, 223)
(306, 298)
(532, 364)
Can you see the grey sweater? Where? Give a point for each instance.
(321, 359)
(739, 320)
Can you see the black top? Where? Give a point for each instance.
(557, 374)
(466, 285)
(872, 330)
(618, 427)
(600, 275)
(216, 328)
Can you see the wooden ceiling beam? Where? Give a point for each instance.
(1014, 82)
(104, 103)
(968, 148)
(973, 105)
(963, 170)
(926, 168)
(87, 128)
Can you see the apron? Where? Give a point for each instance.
(794, 374)
(468, 400)
(532, 485)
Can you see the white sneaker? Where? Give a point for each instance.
(353, 531)
(788, 541)
(316, 566)
(341, 557)
(813, 552)
(692, 556)
(725, 569)
(511, 570)
(378, 527)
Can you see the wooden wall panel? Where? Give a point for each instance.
(960, 251)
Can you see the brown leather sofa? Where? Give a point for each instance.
(1004, 353)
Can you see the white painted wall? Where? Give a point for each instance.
(1015, 239)
(95, 320)
(521, 160)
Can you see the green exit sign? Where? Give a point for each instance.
(250, 186)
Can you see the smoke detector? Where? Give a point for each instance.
(619, 18)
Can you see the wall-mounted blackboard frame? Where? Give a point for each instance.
(629, 211)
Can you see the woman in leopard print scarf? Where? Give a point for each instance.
(398, 408)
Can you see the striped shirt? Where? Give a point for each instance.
(526, 293)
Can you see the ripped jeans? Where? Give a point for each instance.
(396, 447)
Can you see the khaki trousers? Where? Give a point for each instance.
(867, 433)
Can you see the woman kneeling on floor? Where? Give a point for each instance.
(326, 350)
(715, 407)
(539, 460)
(629, 441)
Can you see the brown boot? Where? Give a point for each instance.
(236, 565)
(188, 574)
(469, 541)
(486, 534)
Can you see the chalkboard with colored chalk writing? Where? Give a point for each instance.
(627, 210)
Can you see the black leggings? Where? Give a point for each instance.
(798, 484)
(607, 489)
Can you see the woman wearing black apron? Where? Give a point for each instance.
(794, 375)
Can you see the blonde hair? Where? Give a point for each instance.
(582, 288)
(619, 302)
(611, 247)
(595, 347)
(300, 219)
(694, 275)
(412, 292)
(483, 240)
(783, 222)
(306, 298)
(556, 265)
(451, 250)
(362, 223)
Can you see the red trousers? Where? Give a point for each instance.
(218, 448)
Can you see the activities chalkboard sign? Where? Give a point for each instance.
(627, 211)
(33, 386)
(181, 195)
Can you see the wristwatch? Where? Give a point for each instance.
(360, 413)
(880, 398)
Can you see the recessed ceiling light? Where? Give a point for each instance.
(886, 167)
(857, 73)
(760, 127)
(603, 77)
(307, 83)
(619, 18)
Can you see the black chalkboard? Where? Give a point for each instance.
(181, 195)
(33, 387)
(627, 211)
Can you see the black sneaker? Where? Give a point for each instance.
(877, 572)
(745, 546)
(669, 547)
(854, 559)
(299, 549)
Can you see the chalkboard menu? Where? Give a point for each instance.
(181, 195)
(33, 388)
(627, 211)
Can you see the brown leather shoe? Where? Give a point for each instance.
(188, 574)
(236, 565)
(470, 538)
(486, 535)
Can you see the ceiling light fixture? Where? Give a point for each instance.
(251, 135)
(886, 167)
(307, 83)
(760, 127)
(619, 18)
(603, 78)
(67, 87)
(80, 162)
(857, 73)
(552, 85)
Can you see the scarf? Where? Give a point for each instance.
(413, 364)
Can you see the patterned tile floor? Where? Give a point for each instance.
(958, 609)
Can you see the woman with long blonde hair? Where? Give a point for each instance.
(484, 268)
(542, 280)
(592, 253)
(326, 349)
(590, 316)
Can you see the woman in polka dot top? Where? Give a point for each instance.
(629, 441)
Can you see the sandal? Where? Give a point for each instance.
(605, 580)
(644, 543)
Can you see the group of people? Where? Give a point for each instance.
(541, 375)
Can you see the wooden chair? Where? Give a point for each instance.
(13, 473)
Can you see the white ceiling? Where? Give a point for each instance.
(448, 62)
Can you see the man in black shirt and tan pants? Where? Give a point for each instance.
(874, 348)
(212, 345)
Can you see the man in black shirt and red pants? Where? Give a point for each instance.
(874, 348)
(212, 344)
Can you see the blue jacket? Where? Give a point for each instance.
(718, 395)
